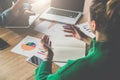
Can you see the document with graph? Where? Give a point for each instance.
(28, 46)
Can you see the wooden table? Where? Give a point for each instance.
(14, 66)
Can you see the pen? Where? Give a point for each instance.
(60, 61)
(41, 53)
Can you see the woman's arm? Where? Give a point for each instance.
(8, 15)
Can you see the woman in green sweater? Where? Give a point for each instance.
(103, 59)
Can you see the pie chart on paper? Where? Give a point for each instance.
(28, 46)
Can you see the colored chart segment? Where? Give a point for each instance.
(29, 46)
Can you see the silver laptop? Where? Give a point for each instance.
(64, 11)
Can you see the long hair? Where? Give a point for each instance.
(106, 13)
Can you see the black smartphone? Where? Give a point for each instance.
(3, 44)
(35, 60)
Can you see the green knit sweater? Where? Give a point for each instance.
(94, 66)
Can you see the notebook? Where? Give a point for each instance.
(64, 11)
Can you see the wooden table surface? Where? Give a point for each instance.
(14, 66)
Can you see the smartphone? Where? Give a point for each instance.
(3, 44)
(35, 60)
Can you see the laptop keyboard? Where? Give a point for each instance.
(63, 13)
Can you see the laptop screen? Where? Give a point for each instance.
(75, 5)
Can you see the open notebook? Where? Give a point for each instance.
(65, 48)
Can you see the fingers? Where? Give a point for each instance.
(29, 13)
(69, 36)
(68, 28)
(42, 39)
(69, 31)
(47, 47)
(50, 44)
(45, 41)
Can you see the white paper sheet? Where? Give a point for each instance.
(28, 46)
(84, 27)
(43, 26)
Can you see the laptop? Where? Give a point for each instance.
(64, 11)
(23, 22)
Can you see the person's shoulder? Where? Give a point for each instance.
(80, 61)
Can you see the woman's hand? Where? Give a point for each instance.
(29, 12)
(21, 4)
(27, 9)
(46, 46)
(73, 32)
(76, 33)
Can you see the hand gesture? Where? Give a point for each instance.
(46, 46)
(76, 33)
(73, 32)
(26, 8)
